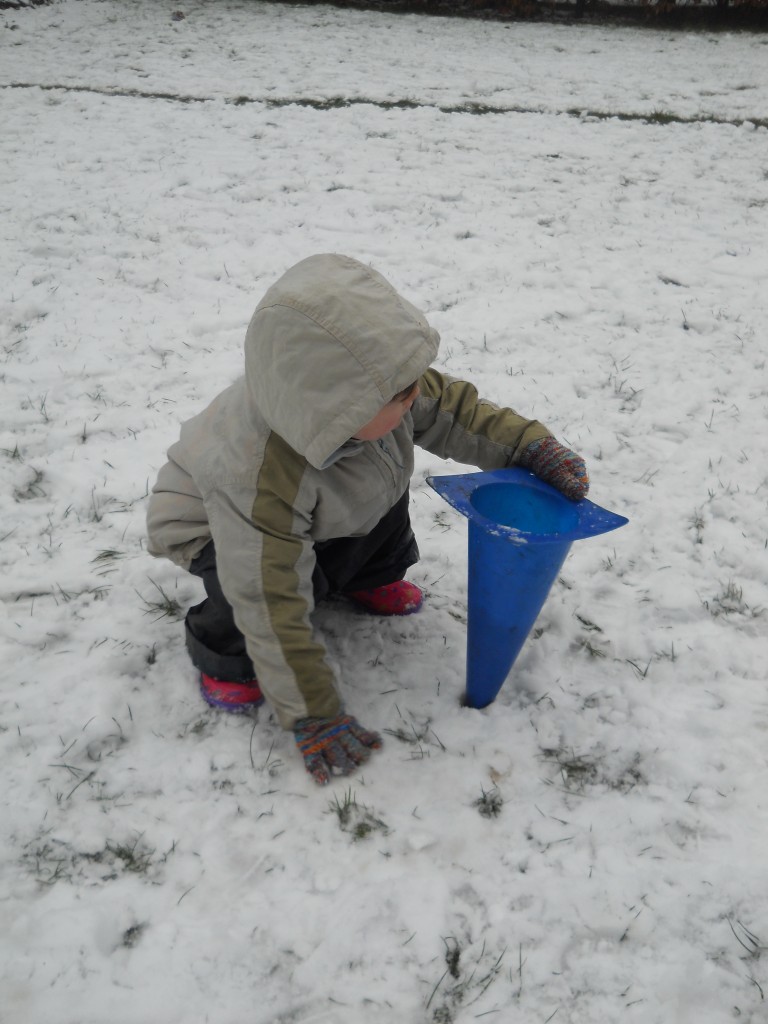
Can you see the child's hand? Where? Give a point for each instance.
(556, 465)
(333, 745)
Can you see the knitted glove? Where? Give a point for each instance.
(556, 465)
(333, 745)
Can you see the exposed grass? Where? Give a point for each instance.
(578, 772)
(50, 860)
(332, 103)
(590, 648)
(104, 561)
(12, 453)
(730, 601)
(31, 488)
(165, 607)
(489, 803)
(460, 986)
(417, 735)
(356, 820)
(132, 935)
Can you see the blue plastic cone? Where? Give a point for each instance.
(520, 532)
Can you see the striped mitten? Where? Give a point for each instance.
(333, 745)
(558, 466)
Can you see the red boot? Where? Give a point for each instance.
(398, 598)
(237, 697)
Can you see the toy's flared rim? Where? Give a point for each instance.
(461, 492)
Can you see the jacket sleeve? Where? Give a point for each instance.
(450, 420)
(265, 559)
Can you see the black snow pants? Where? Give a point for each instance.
(343, 565)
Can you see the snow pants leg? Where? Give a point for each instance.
(343, 565)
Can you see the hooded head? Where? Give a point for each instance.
(331, 343)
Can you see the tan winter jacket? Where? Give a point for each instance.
(265, 471)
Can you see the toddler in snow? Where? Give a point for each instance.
(293, 485)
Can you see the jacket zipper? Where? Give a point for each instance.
(383, 457)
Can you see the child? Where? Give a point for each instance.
(293, 485)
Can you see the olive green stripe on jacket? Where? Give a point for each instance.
(452, 421)
(287, 594)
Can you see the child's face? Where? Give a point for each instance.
(390, 416)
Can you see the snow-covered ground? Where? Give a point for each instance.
(164, 863)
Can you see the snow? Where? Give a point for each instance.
(162, 862)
